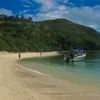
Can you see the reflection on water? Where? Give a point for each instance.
(85, 72)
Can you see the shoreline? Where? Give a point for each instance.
(19, 84)
(31, 70)
(68, 78)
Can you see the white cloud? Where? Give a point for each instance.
(60, 12)
(26, 6)
(93, 26)
(51, 9)
(6, 11)
(46, 4)
(85, 15)
(24, 11)
(52, 15)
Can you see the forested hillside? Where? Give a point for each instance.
(21, 34)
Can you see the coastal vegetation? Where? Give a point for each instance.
(24, 34)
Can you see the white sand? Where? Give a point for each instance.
(18, 83)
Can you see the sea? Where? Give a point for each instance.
(85, 72)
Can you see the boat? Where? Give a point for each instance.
(77, 55)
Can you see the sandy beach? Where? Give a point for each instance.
(18, 83)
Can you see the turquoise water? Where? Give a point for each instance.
(85, 72)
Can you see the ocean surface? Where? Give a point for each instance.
(85, 72)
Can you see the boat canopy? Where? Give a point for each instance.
(78, 50)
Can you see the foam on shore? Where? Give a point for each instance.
(31, 70)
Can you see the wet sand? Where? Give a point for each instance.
(18, 83)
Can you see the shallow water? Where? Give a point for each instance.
(85, 72)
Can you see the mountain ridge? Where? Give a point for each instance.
(48, 35)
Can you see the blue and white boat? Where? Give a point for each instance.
(80, 55)
(77, 55)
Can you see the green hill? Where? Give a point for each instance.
(59, 34)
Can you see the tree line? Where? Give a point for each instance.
(14, 18)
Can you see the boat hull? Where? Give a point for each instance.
(79, 58)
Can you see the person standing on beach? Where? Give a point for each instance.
(19, 55)
(40, 53)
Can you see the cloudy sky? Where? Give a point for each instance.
(86, 12)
